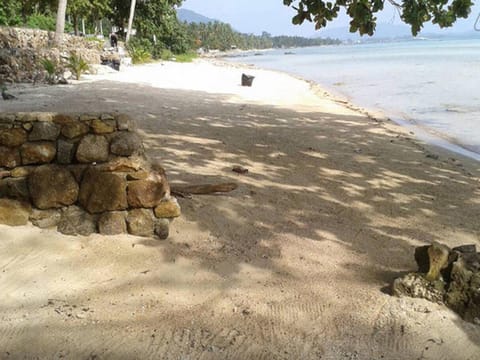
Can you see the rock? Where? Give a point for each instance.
(45, 218)
(45, 117)
(103, 191)
(168, 208)
(112, 223)
(464, 249)
(438, 256)
(122, 164)
(126, 144)
(14, 212)
(162, 228)
(13, 137)
(37, 153)
(77, 171)
(74, 129)
(52, 187)
(75, 221)
(63, 119)
(415, 285)
(107, 116)
(22, 171)
(138, 175)
(124, 123)
(145, 193)
(92, 148)
(7, 118)
(15, 188)
(140, 222)
(463, 294)
(9, 157)
(102, 127)
(65, 152)
(44, 131)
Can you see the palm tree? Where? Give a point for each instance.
(60, 28)
(130, 19)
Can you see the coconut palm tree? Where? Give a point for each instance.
(130, 19)
(60, 28)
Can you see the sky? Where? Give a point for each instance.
(255, 16)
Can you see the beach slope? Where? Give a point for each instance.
(294, 264)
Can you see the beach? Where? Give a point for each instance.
(295, 264)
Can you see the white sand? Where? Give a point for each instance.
(292, 265)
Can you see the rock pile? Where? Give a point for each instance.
(82, 173)
(450, 276)
(21, 51)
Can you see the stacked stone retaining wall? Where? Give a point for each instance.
(81, 173)
(21, 51)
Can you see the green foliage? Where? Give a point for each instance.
(187, 57)
(42, 22)
(50, 67)
(166, 55)
(77, 65)
(362, 12)
(140, 50)
(221, 36)
(10, 11)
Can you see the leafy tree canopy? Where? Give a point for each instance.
(362, 12)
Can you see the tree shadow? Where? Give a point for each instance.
(315, 179)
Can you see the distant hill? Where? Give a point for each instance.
(185, 15)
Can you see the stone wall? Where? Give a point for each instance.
(22, 49)
(81, 173)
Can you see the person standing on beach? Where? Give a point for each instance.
(113, 40)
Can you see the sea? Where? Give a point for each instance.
(429, 85)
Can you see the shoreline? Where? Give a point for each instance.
(423, 133)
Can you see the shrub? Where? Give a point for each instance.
(140, 50)
(42, 22)
(77, 65)
(166, 54)
(50, 67)
(187, 57)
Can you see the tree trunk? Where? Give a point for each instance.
(60, 28)
(130, 19)
(75, 24)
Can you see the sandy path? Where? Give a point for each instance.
(292, 265)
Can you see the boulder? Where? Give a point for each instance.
(103, 191)
(52, 187)
(168, 208)
(92, 148)
(417, 286)
(458, 286)
(13, 137)
(145, 193)
(124, 123)
(63, 119)
(14, 212)
(9, 157)
(112, 223)
(75, 221)
(45, 218)
(126, 143)
(140, 222)
(65, 152)
(162, 228)
(15, 188)
(103, 127)
(44, 131)
(37, 153)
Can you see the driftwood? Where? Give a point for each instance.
(188, 190)
(202, 189)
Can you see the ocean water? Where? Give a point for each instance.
(432, 86)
